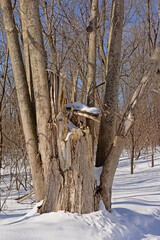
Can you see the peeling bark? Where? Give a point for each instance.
(71, 179)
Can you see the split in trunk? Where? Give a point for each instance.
(71, 178)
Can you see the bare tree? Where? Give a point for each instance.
(127, 121)
(91, 81)
(28, 121)
(108, 121)
(60, 154)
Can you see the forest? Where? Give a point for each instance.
(79, 87)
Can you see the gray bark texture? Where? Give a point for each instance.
(127, 121)
(91, 81)
(38, 65)
(1, 105)
(23, 15)
(28, 120)
(108, 121)
(74, 85)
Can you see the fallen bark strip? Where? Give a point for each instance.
(21, 199)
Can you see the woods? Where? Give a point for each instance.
(84, 73)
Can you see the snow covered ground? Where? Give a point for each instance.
(135, 212)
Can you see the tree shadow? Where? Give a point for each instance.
(139, 224)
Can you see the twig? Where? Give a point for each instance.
(21, 199)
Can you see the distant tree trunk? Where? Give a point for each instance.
(132, 149)
(74, 85)
(152, 29)
(150, 42)
(1, 111)
(1, 105)
(108, 172)
(108, 121)
(1, 141)
(152, 154)
(91, 82)
(28, 120)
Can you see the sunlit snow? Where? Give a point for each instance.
(135, 212)
(77, 106)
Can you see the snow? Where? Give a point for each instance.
(83, 108)
(135, 211)
(71, 127)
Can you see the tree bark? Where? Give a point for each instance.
(71, 178)
(66, 153)
(40, 80)
(108, 121)
(108, 172)
(74, 85)
(152, 147)
(132, 149)
(91, 82)
(23, 10)
(51, 34)
(26, 110)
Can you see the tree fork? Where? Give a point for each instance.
(26, 110)
(110, 165)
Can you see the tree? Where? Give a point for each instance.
(125, 125)
(40, 85)
(59, 153)
(4, 76)
(59, 146)
(28, 120)
(108, 121)
(91, 81)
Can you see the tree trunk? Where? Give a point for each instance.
(1, 149)
(65, 150)
(132, 149)
(1, 104)
(152, 154)
(127, 121)
(71, 178)
(74, 85)
(91, 82)
(28, 121)
(23, 9)
(40, 80)
(108, 121)
(51, 35)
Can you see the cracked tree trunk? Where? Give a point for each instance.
(71, 178)
(60, 154)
